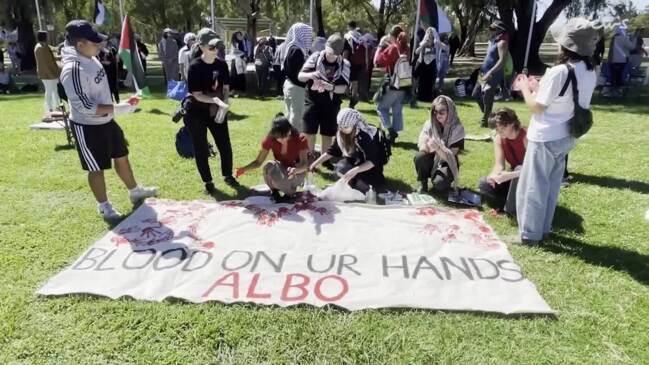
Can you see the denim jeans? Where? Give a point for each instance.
(392, 99)
(539, 184)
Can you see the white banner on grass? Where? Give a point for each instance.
(318, 253)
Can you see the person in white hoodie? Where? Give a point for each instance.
(99, 139)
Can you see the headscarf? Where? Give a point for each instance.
(299, 35)
(451, 132)
(317, 60)
(189, 37)
(431, 38)
(347, 118)
(353, 37)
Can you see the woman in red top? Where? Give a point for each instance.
(287, 171)
(392, 98)
(509, 146)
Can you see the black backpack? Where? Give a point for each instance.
(184, 143)
(582, 121)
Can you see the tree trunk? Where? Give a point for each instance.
(319, 19)
(468, 46)
(26, 35)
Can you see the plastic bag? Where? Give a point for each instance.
(341, 192)
(176, 90)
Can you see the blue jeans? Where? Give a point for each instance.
(392, 99)
(539, 184)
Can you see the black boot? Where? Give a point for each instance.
(423, 187)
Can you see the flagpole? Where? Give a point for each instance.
(121, 11)
(414, 31)
(311, 13)
(529, 38)
(212, 16)
(38, 14)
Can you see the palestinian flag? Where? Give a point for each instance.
(101, 15)
(131, 58)
(430, 15)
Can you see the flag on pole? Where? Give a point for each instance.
(101, 16)
(131, 57)
(433, 16)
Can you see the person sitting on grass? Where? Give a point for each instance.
(360, 147)
(509, 146)
(286, 172)
(440, 140)
(99, 139)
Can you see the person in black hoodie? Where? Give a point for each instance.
(359, 146)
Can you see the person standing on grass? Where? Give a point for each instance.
(184, 55)
(359, 146)
(549, 137)
(239, 54)
(48, 71)
(618, 54)
(454, 46)
(287, 171)
(108, 58)
(208, 82)
(99, 139)
(168, 53)
(298, 42)
(442, 62)
(492, 69)
(392, 99)
(510, 144)
(326, 75)
(263, 61)
(440, 141)
(426, 65)
(355, 53)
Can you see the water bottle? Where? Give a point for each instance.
(370, 196)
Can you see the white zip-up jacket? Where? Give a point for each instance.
(86, 86)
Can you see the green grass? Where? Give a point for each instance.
(595, 272)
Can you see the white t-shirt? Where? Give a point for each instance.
(553, 123)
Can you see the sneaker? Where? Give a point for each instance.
(565, 182)
(231, 181)
(140, 193)
(108, 212)
(210, 189)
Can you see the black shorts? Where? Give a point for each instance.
(355, 72)
(322, 117)
(97, 145)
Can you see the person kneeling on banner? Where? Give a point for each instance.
(509, 146)
(364, 150)
(99, 139)
(440, 141)
(286, 172)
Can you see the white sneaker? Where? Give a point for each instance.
(108, 212)
(140, 193)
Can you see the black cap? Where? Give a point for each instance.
(81, 29)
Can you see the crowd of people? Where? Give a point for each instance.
(528, 164)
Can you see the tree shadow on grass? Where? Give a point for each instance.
(157, 111)
(612, 182)
(632, 263)
(406, 145)
(236, 117)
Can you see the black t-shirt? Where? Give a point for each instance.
(293, 64)
(207, 78)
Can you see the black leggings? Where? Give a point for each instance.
(198, 124)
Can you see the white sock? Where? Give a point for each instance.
(103, 205)
(136, 188)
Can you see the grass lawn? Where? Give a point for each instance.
(595, 272)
